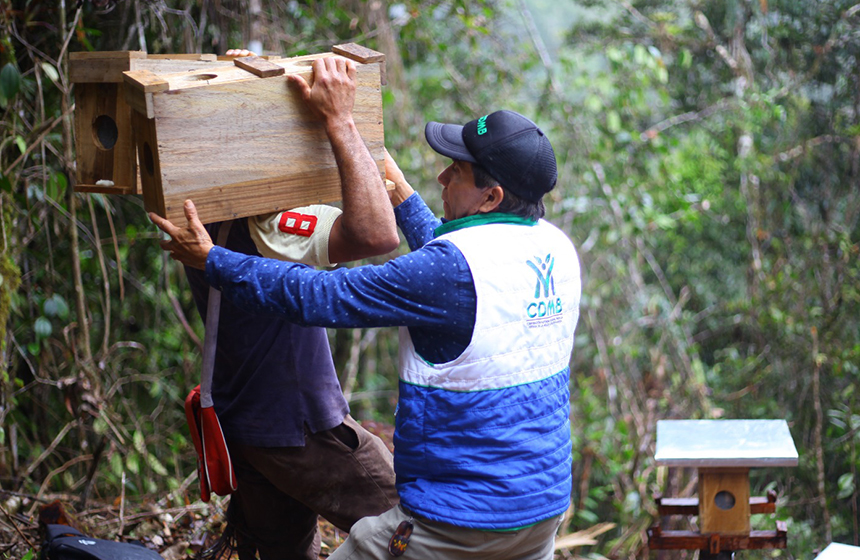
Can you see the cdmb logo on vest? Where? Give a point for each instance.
(545, 304)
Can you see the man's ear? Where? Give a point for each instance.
(491, 200)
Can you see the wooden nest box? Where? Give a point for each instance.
(723, 452)
(104, 140)
(239, 140)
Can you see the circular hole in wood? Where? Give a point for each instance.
(105, 132)
(148, 161)
(201, 77)
(724, 500)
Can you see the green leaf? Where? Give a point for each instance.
(42, 328)
(156, 465)
(138, 441)
(100, 426)
(22, 145)
(116, 464)
(57, 184)
(62, 306)
(613, 122)
(132, 462)
(846, 486)
(10, 81)
(51, 72)
(29, 555)
(665, 222)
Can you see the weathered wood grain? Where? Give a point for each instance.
(239, 145)
(714, 519)
(690, 540)
(100, 99)
(101, 67)
(358, 53)
(103, 139)
(258, 66)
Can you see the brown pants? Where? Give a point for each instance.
(343, 474)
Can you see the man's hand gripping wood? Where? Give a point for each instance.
(190, 244)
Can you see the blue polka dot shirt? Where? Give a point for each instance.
(430, 290)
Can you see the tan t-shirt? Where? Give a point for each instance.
(298, 235)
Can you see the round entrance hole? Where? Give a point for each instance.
(105, 132)
(724, 500)
(148, 161)
(201, 77)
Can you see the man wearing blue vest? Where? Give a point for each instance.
(487, 302)
(275, 387)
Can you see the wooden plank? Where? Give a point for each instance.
(101, 67)
(358, 53)
(140, 101)
(690, 506)
(146, 140)
(725, 500)
(220, 74)
(145, 80)
(258, 66)
(161, 66)
(690, 540)
(245, 146)
(103, 189)
(184, 56)
(106, 55)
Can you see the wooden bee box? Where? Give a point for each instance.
(242, 142)
(104, 142)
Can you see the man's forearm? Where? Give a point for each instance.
(367, 220)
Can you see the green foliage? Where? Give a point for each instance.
(708, 161)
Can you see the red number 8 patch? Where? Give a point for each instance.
(297, 224)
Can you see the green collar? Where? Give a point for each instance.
(480, 220)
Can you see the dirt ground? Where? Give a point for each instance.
(178, 526)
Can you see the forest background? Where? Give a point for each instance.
(709, 164)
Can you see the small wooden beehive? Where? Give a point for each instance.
(240, 141)
(104, 141)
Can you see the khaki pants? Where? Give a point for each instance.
(430, 540)
(343, 474)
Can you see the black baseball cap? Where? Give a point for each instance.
(508, 145)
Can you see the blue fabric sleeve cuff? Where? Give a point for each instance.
(215, 262)
(408, 206)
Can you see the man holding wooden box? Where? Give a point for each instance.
(296, 451)
(487, 302)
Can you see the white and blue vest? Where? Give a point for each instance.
(483, 441)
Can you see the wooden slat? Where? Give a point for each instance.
(140, 102)
(146, 139)
(258, 66)
(690, 506)
(690, 540)
(358, 53)
(105, 189)
(101, 67)
(184, 56)
(145, 80)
